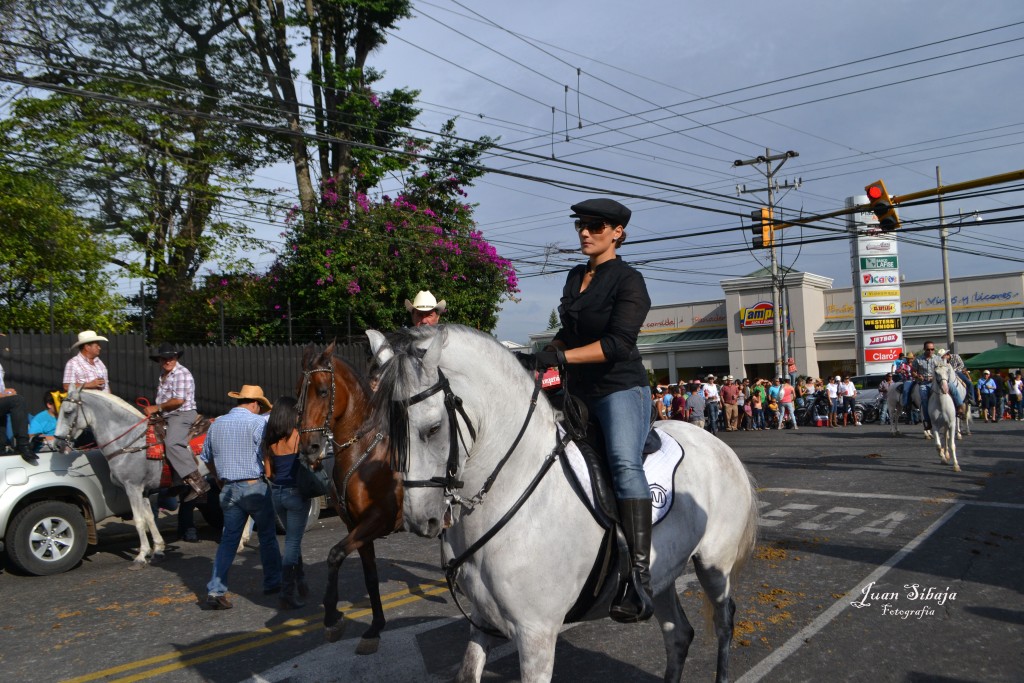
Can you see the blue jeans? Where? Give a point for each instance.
(293, 511)
(713, 409)
(925, 390)
(239, 501)
(624, 417)
(906, 392)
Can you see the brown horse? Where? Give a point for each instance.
(334, 402)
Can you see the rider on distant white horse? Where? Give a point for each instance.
(957, 363)
(604, 304)
(923, 370)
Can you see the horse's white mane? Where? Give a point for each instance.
(115, 400)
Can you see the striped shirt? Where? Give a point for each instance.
(233, 443)
(178, 383)
(80, 370)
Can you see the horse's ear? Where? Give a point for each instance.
(382, 351)
(325, 357)
(308, 355)
(432, 357)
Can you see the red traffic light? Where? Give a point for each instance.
(874, 192)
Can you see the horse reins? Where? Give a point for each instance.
(453, 406)
(121, 451)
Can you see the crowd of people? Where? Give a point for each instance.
(745, 405)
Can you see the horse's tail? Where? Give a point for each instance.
(748, 538)
(746, 544)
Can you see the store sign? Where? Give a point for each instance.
(883, 339)
(881, 324)
(880, 294)
(880, 309)
(880, 278)
(882, 355)
(871, 247)
(879, 262)
(761, 314)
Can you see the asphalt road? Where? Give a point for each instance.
(841, 509)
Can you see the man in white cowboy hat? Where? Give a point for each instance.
(85, 368)
(425, 309)
(176, 403)
(233, 451)
(711, 399)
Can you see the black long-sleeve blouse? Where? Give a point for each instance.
(611, 310)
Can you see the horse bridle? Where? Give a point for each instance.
(453, 407)
(325, 428)
(66, 439)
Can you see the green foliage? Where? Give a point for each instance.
(361, 266)
(244, 298)
(143, 137)
(45, 248)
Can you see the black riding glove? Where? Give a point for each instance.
(549, 358)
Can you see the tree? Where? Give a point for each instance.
(553, 321)
(139, 126)
(48, 255)
(346, 112)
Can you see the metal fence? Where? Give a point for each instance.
(34, 364)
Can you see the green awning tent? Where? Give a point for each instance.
(1005, 356)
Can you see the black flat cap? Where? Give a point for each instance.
(608, 209)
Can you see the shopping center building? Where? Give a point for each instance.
(733, 336)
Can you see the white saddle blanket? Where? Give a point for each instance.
(659, 467)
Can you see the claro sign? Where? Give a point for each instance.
(760, 314)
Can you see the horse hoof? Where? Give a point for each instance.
(156, 558)
(956, 468)
(136, 566)
(332, 634)
(367, 646)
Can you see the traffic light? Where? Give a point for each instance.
(764, 232)
(881, 205)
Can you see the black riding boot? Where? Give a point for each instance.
(289, 598)
(633, 602)
(24, 449)
(300, 579)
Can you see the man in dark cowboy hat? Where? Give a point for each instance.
(176, 402)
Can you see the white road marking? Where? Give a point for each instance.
(889, 496)
(765, 666)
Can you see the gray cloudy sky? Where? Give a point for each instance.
(673, 92)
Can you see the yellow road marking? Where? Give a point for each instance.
(288, 629)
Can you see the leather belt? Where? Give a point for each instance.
(242, 481)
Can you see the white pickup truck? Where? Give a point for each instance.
(49, 512)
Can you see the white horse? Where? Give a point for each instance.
(942, 412)
(894, 404)
(120, 431)
(457, 405)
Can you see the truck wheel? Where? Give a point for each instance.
(48, 537)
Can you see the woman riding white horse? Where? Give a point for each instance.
(517, 538)
(603, 306)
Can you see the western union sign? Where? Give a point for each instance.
(878, 262)
(877, 324)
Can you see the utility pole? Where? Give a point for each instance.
(943, 236)
(778, 341)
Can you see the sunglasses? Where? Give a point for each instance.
(593, 227)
